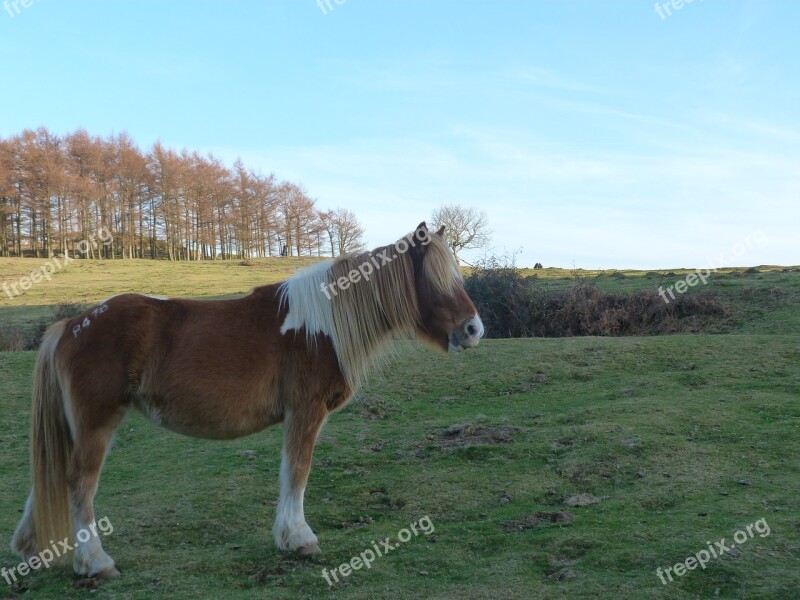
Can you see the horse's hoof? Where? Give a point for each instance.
(308, 550)
(106, 574)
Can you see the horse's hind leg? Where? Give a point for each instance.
(92, 440)
(300, 434)
(24, 541)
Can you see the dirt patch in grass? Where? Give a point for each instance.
(361, 522)
(374, 407)
(538, 519)
(581, 500)
(466, 435)
(88, 583)
(561, 570)
(563, 443)
(526, 384)
(272, 575)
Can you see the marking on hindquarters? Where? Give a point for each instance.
(87, 320)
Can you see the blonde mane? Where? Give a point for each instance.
(362, 316)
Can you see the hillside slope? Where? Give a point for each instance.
(671, 442)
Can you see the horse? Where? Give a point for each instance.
(289, 353)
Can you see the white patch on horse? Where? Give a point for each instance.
(66, 399)
(24, 541)
(308, 305)
(89, 558)
(291, 530)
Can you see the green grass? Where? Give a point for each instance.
(661, 430)
(763, 301)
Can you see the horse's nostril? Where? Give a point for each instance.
(471, 330)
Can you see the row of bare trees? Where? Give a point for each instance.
(57, 191)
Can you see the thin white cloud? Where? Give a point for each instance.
(547, 78)
(601, 209)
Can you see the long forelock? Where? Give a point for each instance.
(440, 267)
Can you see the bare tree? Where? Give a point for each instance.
(58, 191)
(349, 232)
(326, 224)
(297, 216)
(7, 212)
(465, 228)
(345, 233)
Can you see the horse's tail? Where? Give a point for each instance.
(51, 446)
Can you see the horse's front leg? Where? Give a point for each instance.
(299, 437)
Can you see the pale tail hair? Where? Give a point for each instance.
(51, 446)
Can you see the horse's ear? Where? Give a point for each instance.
(440, 233)
(423, 226)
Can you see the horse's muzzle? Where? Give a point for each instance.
(466, 335)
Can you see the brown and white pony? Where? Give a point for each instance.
(291, 353)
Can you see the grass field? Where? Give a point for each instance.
(549, 468)
(94, 280)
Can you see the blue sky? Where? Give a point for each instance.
(594, 133)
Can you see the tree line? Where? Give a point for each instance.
(57, 191)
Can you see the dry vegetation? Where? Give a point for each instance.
(512, 305)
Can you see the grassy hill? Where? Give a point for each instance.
(91, 281)
(762, 299)
(549, 468)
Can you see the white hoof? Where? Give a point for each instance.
(99, 565)
(300, 539)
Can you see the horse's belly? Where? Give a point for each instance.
(211, 418)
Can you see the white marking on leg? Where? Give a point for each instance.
(24, 543)
(291, 530)
(89, 558)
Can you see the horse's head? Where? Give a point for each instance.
(448, 318)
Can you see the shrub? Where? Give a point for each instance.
(504, 300)
(511, 305)
(19, 338)
(67, 310)
(11, 339)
